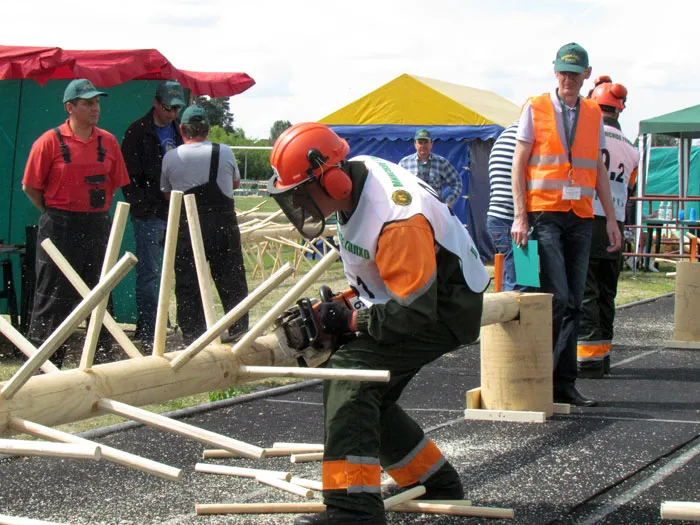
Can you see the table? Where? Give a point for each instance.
(657, 225)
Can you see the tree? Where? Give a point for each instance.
(253, 164)
(277, 128)
(218, 111)
(663, 140)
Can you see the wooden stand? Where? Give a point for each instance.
(516, 367)
(686, 329)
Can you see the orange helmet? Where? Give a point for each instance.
(305, 150)
(609, 94)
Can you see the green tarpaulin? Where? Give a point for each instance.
(684, 123)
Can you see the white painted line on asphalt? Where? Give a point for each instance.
(622, 418)
(656, 478)
(635, 357)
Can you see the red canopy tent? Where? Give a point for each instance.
(110, 68)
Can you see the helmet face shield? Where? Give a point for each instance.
(299, 206)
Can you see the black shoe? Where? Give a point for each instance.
(590, 370)
(606, 365)
(570, 395)
(333, 515)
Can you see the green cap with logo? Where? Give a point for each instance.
(81, 88)
(194, 115)
(171, 93)
(422, 134)
(571, 57)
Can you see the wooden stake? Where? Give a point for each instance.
(285, 485)
(286, 301)
(167, 272)
(680, 510)
(200, 262)
(299, 447)
(110, 454)
(499, 258)
(243, 472)
(404, 496)
(267, 452)
(114, 328)
(309, 507)
(27, 348)
(427, 507)
(111, 254)
(380, 376)
(307, 457)
(180, 428)
(20, 447)
(231, 317)
(66, 328)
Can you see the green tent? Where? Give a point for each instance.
(683, 124)
(32, 81)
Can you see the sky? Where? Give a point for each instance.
(310, 58)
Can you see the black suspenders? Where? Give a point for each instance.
(101, 152)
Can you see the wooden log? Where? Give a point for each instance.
(200, 262)
(500, 307)
(27, 348)
(306, 457)
(55, 399)
(167, 272)
(516, 359)
(307, 483)
(381, 376)
(66, 328)
(242, 472)
(178, 427)
(403, 497)
(285, 485)
(687, 302)
(20, 447)
(110, 454)
(286, 301)
(234, 315)
(16, 520)
(680, 510)
(114, 243)
(110, 323)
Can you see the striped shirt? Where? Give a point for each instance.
(438, 173)
(500, 166)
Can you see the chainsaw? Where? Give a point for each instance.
(300, 328)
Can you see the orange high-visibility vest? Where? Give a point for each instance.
(548, 168)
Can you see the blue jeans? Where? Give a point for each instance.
(150, 236)
(564, 243)
(499, 230)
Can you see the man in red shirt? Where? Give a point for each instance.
(71, 176)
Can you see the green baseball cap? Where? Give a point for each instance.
(194, 115)
(571, 57)
(171, 93)
(81, 88)
(422, 134)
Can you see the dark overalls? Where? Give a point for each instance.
(81, 236)
(222, 245)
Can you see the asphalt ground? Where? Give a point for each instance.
(611, 464)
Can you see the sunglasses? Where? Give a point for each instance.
(168, 109)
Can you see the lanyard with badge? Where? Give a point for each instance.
(570, 192)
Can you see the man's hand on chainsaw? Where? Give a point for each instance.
(335, 318)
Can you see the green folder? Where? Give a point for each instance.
(527, 264)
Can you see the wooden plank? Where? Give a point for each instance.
(517, 416)
(474, 398)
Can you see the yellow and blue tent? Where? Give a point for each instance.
(463, 121)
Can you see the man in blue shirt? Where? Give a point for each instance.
(145, 143)
(435, 170)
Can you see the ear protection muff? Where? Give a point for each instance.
(333, 179)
